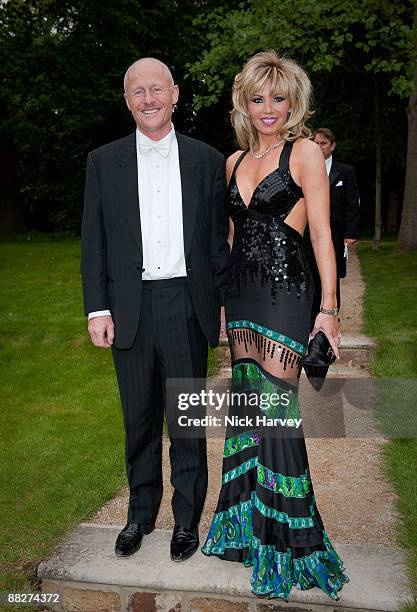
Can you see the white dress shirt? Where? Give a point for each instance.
(329, 164)
(160, 203)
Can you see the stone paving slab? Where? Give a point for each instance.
(378, 575)
(359, 341)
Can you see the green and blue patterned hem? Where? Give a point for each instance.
(274, 573)
(289, 486)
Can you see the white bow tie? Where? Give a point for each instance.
(162, 146)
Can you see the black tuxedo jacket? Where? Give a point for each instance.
(344, 209)
(111, 239)
(344, 213)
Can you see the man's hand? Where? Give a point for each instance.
(350, 241)
(222, 323)
(101, 330)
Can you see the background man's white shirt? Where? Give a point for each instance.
(329, 164)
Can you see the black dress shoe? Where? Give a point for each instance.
(130, 538)
(184, 543)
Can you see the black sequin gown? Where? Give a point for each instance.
(266, 515)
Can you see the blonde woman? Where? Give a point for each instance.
(266, 515)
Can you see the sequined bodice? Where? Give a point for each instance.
(275, 195)
(265, 248)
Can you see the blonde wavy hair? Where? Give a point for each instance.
(288, 79)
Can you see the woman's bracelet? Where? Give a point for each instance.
(329, 311)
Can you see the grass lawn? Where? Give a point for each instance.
(62, 443)
(390, 314)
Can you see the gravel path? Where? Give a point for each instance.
(356, 502)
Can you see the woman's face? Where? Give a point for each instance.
(268, 110)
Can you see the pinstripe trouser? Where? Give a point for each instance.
(169, 344)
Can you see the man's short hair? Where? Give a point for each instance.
(327, 133)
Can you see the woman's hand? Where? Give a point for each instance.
(329, 324)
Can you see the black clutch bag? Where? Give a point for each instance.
(320, 356)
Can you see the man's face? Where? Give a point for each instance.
(325, 145)
(150, 96)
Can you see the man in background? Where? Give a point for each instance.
(344, 213)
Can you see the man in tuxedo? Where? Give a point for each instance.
(344, 213)
(154, 252)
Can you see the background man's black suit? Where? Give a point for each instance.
(344, 221)
(162, 328)
(344, 209)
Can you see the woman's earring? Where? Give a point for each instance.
(289, 115)
(174, 108)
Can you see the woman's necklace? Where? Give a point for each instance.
(267, 150)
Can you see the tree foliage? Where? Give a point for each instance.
(63, 62)
(61, 85)
(360, 56)
(61, 88)
(373, 36)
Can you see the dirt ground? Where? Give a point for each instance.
(356, 502)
